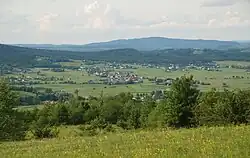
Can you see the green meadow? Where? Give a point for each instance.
(201, 142)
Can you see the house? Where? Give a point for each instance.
(91, 82)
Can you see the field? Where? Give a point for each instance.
(215, 78)
(230, 141)
(201, 142)
(228, 63)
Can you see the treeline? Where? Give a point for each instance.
(247, 67)
(184, 106)
(40, 95)
(27, 56)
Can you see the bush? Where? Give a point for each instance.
(92, 130)
(228, 107)
(40, 132)
(89, 130)
(96, 127)
(12, 127)
(156, 117)
(207, 112)
(235, 107)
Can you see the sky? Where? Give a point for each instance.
(87, 21)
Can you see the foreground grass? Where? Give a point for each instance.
(202, 142)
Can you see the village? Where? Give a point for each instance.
(108, 74)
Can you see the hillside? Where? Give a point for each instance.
(143, 44)
(202, 142)
(16, 55)
(21, 56)
(26, 56)
(155, 43)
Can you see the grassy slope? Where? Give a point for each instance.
(201, 142)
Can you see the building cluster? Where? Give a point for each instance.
(123, 78)
(116, 78)
(210, 66)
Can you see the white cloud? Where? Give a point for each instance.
(223, 3)
(96, 16)
(229, 19)
(46, 20)
(92, 7)
(18, 30)
(230, 13)
(218, 3)
(212, 22)
(80, 20)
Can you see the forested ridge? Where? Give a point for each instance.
(142, 44)
(21, 56)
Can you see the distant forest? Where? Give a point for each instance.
(26, 57)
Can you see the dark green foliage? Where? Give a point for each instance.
(182, 106)
(39, 97)
(235, 107)
(207, 111)
(146, 108)
(26, 57)
(62, 114)
(130, 118)
(77, 108)
(224, 108)
(12, 122)
(47, 117)
(111, 110)
(180, 103)
(40, 132)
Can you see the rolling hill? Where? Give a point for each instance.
(142, 44)
(21, 56)
(156, 43)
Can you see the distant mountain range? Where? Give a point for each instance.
(244, 41)
(141, 44)
(30, 57)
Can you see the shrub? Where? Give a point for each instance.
(40, 132)
(207, 112)
(235, 107)
(228, 107)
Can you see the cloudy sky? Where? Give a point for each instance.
(85, 21)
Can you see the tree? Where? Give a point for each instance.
(180, 102)
(111, 111)
(76, 93)
(147, 107)
(61, 114)
(130, 118)
(48, 90)
(208, 112)
(12, 124)
(42, 127)
(235, 107)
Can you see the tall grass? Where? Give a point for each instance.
(201, 142)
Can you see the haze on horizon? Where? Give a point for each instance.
(86, 21)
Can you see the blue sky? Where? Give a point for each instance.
(85, 21)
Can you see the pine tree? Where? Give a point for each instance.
(12, 124)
